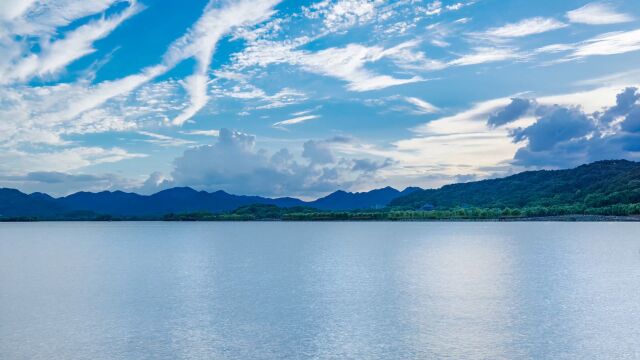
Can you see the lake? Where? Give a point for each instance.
(275, 290)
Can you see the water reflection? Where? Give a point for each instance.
(459, 295)
(319, 290)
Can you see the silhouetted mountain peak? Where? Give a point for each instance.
(342, 200)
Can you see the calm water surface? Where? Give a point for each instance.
(319, 291)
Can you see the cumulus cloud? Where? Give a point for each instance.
(625, 101)
(632, 121)
(318, 152)
(597, 13)
(558, 124)
(565, 136)
(234, 164)
(499, 136)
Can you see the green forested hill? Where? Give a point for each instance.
(594, 185)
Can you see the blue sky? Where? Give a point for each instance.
(300, 98)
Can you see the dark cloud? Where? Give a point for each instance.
(631, 122)
(557, 125)
(562, 155)
(566, 136)
(625, 101)
(512, 112)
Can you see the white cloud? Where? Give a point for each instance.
(483, 55)
(295, 120)
(56, 55)
(42, 114)
(345, 63)
(246, 91)
(11, 9)
(619, 79)
(343, 14)
(346, 13)
(213, 133)
(589, 100)
(526, 27)
(62, 160)
(201, 42)
(164, 140)
(405, 56)
(472, 120)
(29, 17)
(597, 13)
(609, 44)
(554, 48)
(348, 64)
(422, 106)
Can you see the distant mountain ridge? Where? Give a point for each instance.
(599, 184)
(14, 203)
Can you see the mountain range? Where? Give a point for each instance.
(596, 185)
(14, 203)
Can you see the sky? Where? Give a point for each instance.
(302, 98)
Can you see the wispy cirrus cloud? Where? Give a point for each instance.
(56, 55)
(598, 13)
(200, 43)
(62, 160)
(612, 43)
(164, 140)
(70, 101)
(422, 107)
(346, 63)
(213, 133)
(483, 55)
(295, 120)
(526, 27)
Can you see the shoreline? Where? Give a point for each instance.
(557, 218)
